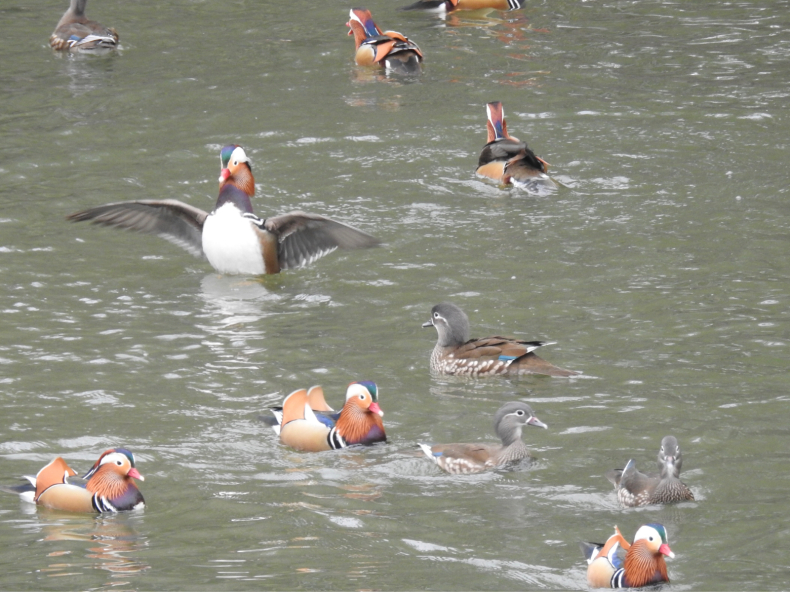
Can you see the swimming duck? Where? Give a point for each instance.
(507, 159)
(231, 236)
(109, 487)
(665, 487)
(389, 49)
(74, 32)
(306, 422)
(509, 421)
(618, 564)
(443, 7)
(456, 353)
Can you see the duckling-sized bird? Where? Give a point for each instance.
(306, 422)
(455, 353)
(616, 564)
(508, 160)
(109, 487)
(232, 237)
(443, 7)
(389, 49)
(665, 487)
(462, 459)
(74, 32)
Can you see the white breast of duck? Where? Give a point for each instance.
(231, 243)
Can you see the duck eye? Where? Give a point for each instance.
(119, 463)
(436, 315)
(361, 397)
(650, 539)
(235, 163)
(519, 412)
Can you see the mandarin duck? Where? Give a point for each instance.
(109, 487)
(508, 160)
(74, 32)
(665, 487)
(462, 459)
(443, 7)
(455, 353)
(232, 237)
(618, 564)
(306, 422)
(389, 49)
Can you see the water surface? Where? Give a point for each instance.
(659, 267)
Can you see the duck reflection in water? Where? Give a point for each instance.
(111, 543)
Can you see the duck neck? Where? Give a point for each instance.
(642, 567)
(109, 484)
(355, 423)
(229, 193)
(243, 179)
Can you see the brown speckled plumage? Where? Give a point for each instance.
(455, 353)
(665, 487)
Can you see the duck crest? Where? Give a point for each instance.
(496, 125)
(362, 26)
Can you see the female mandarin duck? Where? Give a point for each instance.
(443, 7)
(456, 353)
(642, 564)
(665, 487)
(109, 488)
(509, 420)
(306, 422)
(232, 237)
(74, 32)
(389, 49)
(508, 160)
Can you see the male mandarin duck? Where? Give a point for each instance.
(109, 488)
(509, 421)
(306, 422)
(618, 564)
(389, 49)
(665, 487)
(74, 32)
(443, 7)
(232, 237)
(508, 160)
(455, 353)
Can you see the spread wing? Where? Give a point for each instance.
(305, 237)
(175, 221)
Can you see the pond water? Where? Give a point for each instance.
(660, 267)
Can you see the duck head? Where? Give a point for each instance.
(236, 169)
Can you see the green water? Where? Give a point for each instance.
(659, 267)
